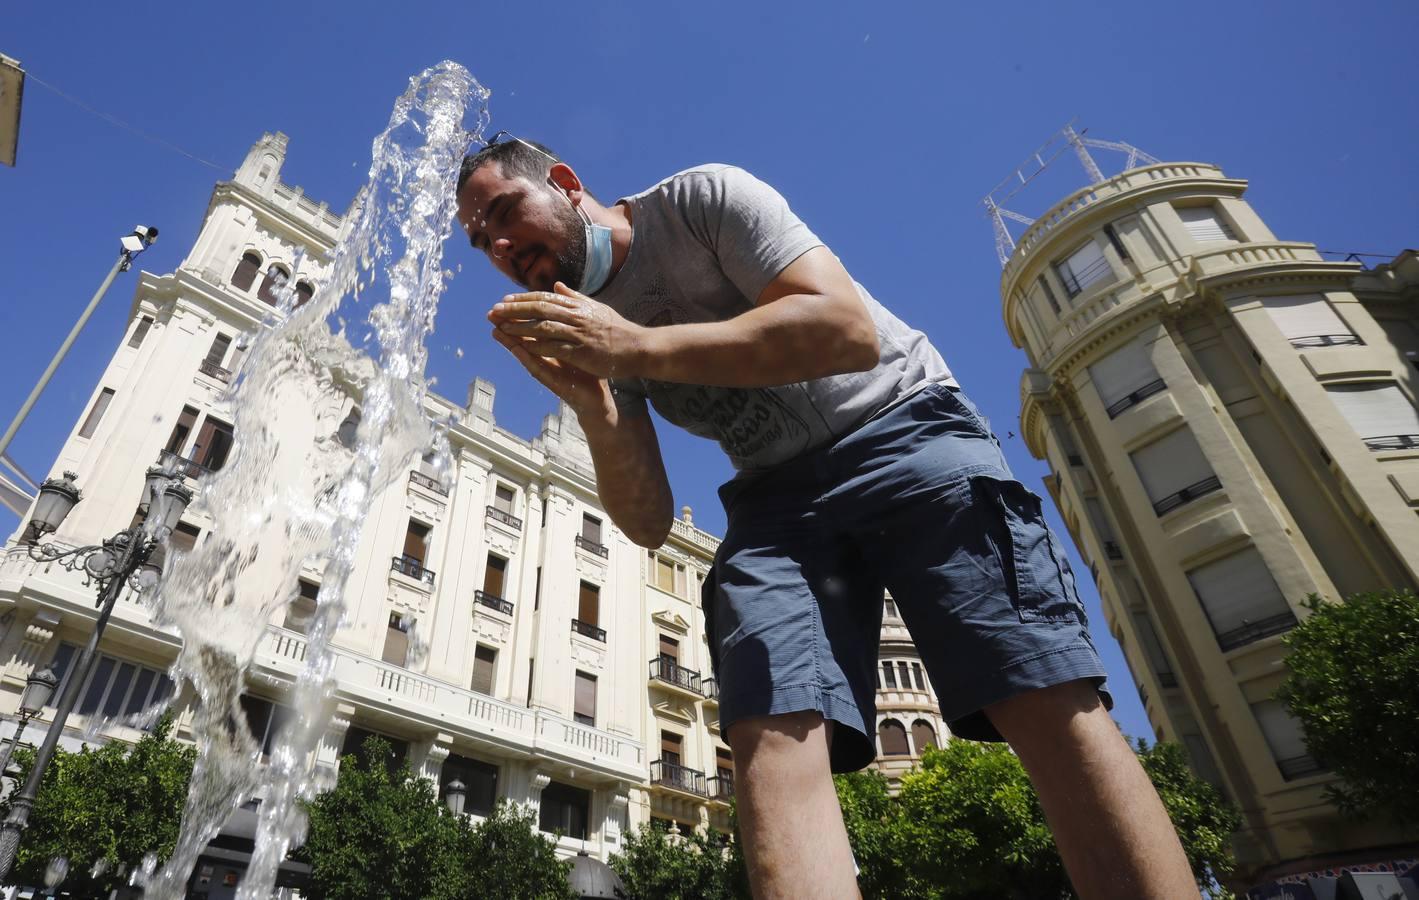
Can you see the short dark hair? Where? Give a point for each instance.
(515, 157)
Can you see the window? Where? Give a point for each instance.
(264, 720)
(585, 711)
(671, 745)
(894, 738)
(590, 528)
(1379, 412)
(917, 678)
(537, 590)
(669, 649)
(355, 738)
(214, 444)
(588, 610)
(178, 439)
(114, 688)
(479, 779)
(667, 574)
(217, 353)
(1119, 248)
(1153, 649)
(923, 735)
(302, 609)
(1049, 295)
(1082, 268)
(1307, 320)
(565, 810)
(416, 542)
(502, 499)
(275, 277)
(1287, 742)
(91, 421)
(494, 575)
(890, 607)
(1241, 599)
(1125, 377)
(723, 762)
(184, 537)
(1174, 471)
(889, 674)
(485, 663)
(1205, 225)
(140, 331)
(246, 270)
(304, 291)
(531, 664)
(903, 674)
(396, 640)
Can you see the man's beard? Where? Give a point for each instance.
(571, 259)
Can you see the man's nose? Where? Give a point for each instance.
(502, 247)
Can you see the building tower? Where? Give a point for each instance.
(908, 713)
(1230, 425)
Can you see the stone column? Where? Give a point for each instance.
(32, 647)
(327, 752)
(614, 824)
(428, 756)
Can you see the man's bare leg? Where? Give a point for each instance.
(1111, 829)
(795, 843)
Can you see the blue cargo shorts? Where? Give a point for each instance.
(919, 501)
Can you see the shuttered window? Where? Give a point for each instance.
(590, 528)
(889, 674)
(589, 604)
(1285, 739)
(585, 698)
(1379, 412)
(1124, 377)
(140, 331)
(1082, 268)
(214, 443)
(1174, 471)
(246, 271)
(1205, 225)
(1241, 599)
(669, 649)
(178, 439)
(894, 738)
(485, 660)
(396, 640)
(91, 421)
(416, 541)
(494, 575)
(923, 735)
(670, 747)
(502, 499)
(1307, 320)
(218, 351)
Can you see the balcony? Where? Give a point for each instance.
(1299, 767)
(181, 465)
(721, 786)
(414, 568)
(1255, 631)
(1393, 442)
(710, 688)
(1075, 283)
(591, 546)
(1187, 495)
(1155, 386)
(507, 519)
(1112, 550)
(586, 629)
(667, 671)
(428, 483)
(214, 371)
(493, 601)
(1325, 340)
(1167, 679)
(678, 777)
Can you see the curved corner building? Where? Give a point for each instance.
(1230, 425)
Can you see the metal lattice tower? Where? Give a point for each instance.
(1061, 141)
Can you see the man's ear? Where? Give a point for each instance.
(565, 177)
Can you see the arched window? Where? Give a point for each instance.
(275, 277)
(923, 735)
(894, 738)
(246, 271)
(304, 291)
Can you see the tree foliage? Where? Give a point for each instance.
(382, 833)
(656, 865)
(1352, 686)
(103, 809)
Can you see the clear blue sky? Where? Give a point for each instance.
(883, 123)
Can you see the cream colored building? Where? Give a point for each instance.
(566, 667)
(908, 713)
(1230, 425)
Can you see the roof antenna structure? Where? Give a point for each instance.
(1065, 139)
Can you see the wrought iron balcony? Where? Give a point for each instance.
(1167, 679)
(1187, 495)
(493, 601)
(1156, 386)
(1112, 550)
(506, 518)
(1325, 340)
(1076, 282)
(1299, 767)
(681, 778)
(721, 786)
(428, 482)
(669, 671)
(181, 465)
(414, 568)
(1255, 631)
(587, 629)
(1075, 459)
(591, 546)
(212, 370)
(710, 688)
(1393, 442)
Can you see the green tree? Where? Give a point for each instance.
(1203, 818)
(104, 808)
(1352, 687)
(873, 820)
(509, 857)
(656, 865)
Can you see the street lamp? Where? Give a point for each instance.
(454, 794)
(134, 557)
(39, 688)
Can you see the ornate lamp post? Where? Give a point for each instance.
(39, 688)
(132, 556)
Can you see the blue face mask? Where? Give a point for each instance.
(598, 255)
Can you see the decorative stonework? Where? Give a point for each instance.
(590, 568)
(423, 506)
(38, 632)
(675, 708)
(500, 539)
(488, 628)
(587, 655)
(670, 621)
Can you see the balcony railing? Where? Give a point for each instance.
(1187, 495)
(721, 786)
(493, 601)
(212, 370)
(1255, 631)
(587, 629)
(1112, 550)
(710, 688)
(669, 671)
(1299, 767)
(591, 546)
(428, 482)
(181, 465)
(1155, 386)
(1393, 442)
(414, 568)
(507, 519)
(1167, 679)
(1311, 341)
(679, 777)
(1076, 282)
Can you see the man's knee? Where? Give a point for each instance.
(782, 733)
(1047, 710)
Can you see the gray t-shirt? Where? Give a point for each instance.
(706, 243)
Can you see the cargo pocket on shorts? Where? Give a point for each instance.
(1036, 572)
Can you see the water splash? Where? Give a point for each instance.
(297, 489)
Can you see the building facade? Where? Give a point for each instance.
(1230, 425)
(908, 713)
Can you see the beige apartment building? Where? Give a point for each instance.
(1230, 424)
